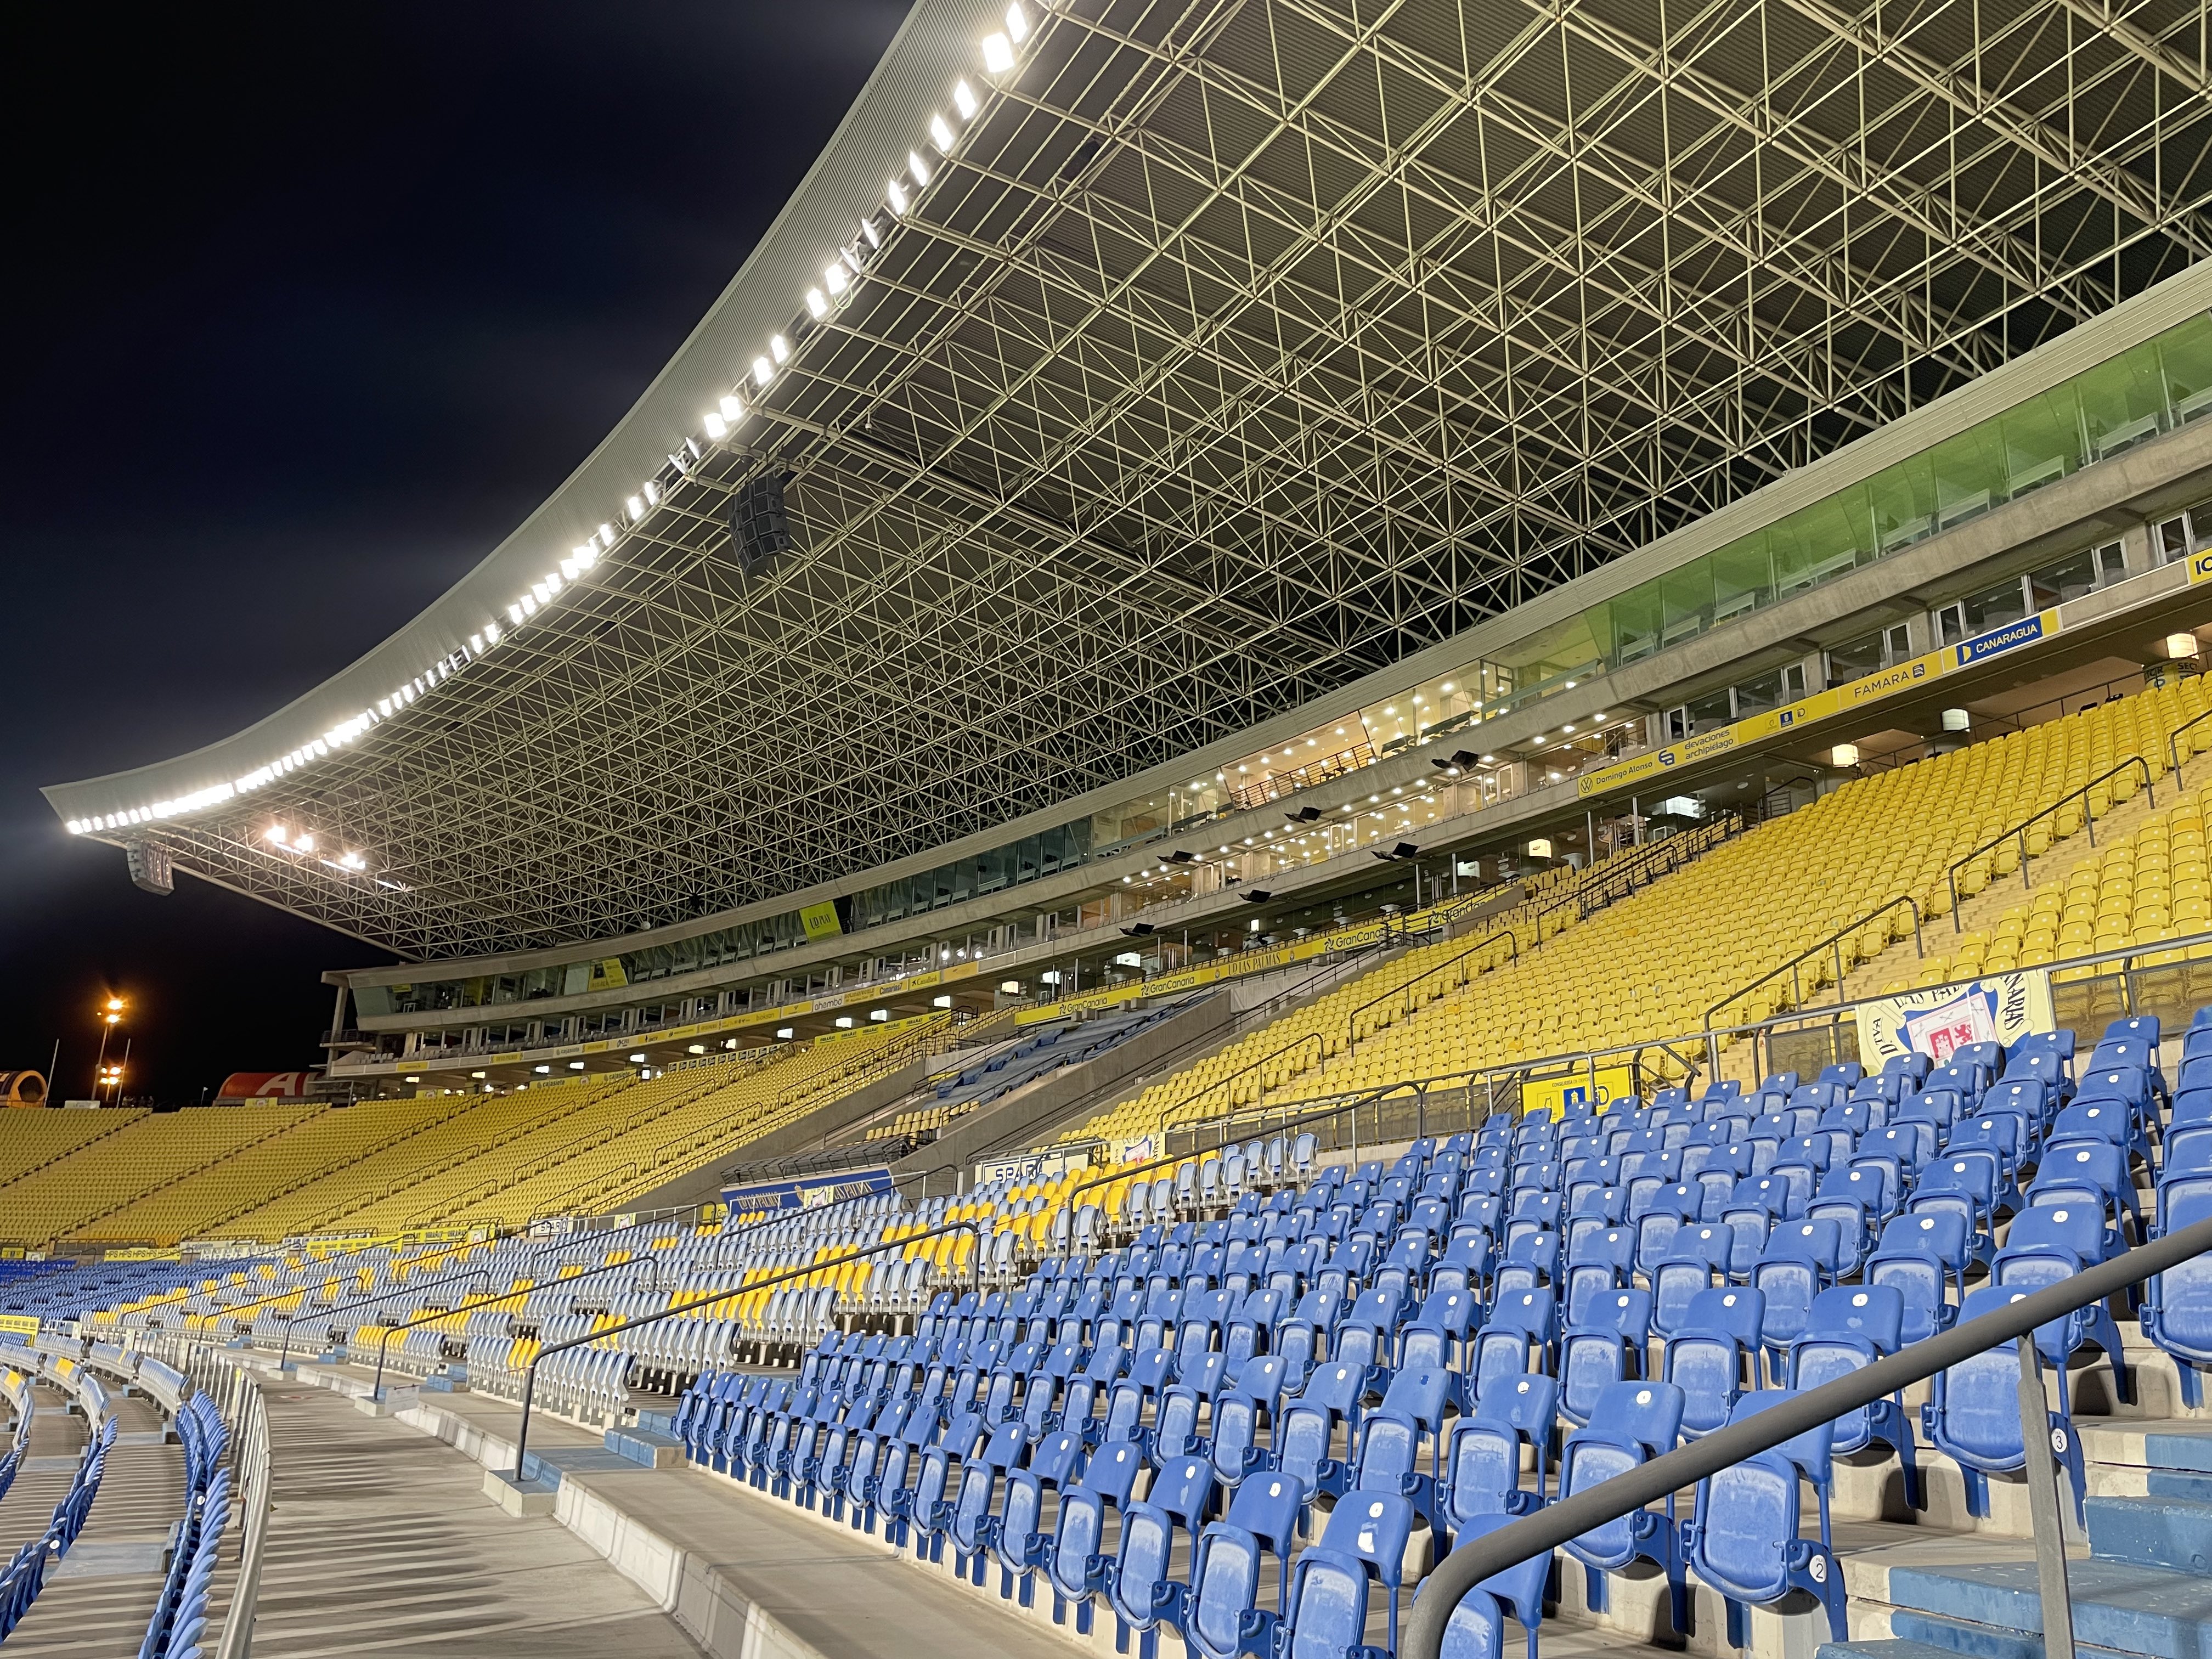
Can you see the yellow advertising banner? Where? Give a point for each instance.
(1823, 705)
(19, 1324)
(820, 921)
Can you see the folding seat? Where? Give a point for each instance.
(1600, 1262)
(1515, 1339)
(1437, 1334)
(2097, 1118)
(1476, 1627)
(1850, 1328)
(1698, 1259)
(1364, 1540)
(1144, 1598)
(2049, 1244)
(1973, 1418)
(1858, 1201)
(1707, 1355)
(1751, 1214)
(1607, 1348)
(1391, 1437)
(1483, 1454)
(1667, 1210)
(1531, 1263)
(2091, 1173)
(2177, 1310)
(1800, 1260)
(1532, 1212)
(1076, 1564)
(1744, 1541)
(1631, 1423)
(1964, 1187)
(1225, 1619)
(1714, 1167)
(1911, 1143)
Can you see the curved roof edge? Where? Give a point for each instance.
(934, 46)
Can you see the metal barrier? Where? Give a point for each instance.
(250, 1455)
(1549, 1528)
(1833, 942)
(2021, 829)
(530, 1380)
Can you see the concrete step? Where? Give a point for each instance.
(647, 1447)
(1994, 1609)
(2160, 1532)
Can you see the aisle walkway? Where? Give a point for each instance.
(381, 1541)
(97, 1601)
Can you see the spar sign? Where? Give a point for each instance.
(1940, 1021)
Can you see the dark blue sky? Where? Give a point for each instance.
(305, 310)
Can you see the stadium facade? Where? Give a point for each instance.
(1245, 468)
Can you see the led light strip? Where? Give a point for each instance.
(1000, 52)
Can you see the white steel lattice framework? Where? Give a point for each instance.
(1236, 348)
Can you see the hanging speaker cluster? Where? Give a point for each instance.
(760, 525)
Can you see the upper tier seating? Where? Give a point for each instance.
(1653, 964)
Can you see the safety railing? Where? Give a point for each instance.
(643, 1266)
(974, 1229)
(2021, 829)
(1834, 943)
(291, 1322)
(2173, 739)
(1627, 874)
(1321, 1046)
(248, 1416)
(649, 1263)
(1404, 988)
(1556, 1524)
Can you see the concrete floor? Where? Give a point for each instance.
(381, 1541)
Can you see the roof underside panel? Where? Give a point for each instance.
(1246, 347)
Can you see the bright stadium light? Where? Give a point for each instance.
(940, 134)
(917, 169)
(778, 348)
(963, 99)
(717, 429)
(835, 279)
(732, 410)
(763, 371)
(997, 53)
(816, 305)
(895, 193)
(1017, 23)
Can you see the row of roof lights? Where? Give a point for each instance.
(1001, 53)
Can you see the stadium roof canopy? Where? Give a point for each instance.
(1143, 368)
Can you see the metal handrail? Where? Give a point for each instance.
(1273, 1054)
(1834, 941)
(2088, 819)
(1404, 986)
(2173, 738)
(530, 1378)
(285, 1353)
(376, 1389)
(387, 1332)
(256, 1474)
(1632, 1490)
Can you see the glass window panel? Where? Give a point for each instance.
(2186, 354)
(2042, 440)
(2122, 401)
(1903, 501)
(1970, 475)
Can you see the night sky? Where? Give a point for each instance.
(306, 311)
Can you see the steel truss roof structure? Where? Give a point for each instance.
(1238, 348)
